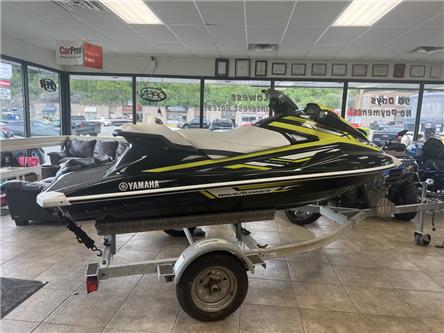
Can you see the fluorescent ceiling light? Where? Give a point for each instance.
(132, 11)
(365, 13)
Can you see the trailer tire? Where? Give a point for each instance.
(302, 218)
(213, 286)
(408, 194)
(178, 232)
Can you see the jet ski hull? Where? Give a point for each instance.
(284, 161)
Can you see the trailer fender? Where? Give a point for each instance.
(205, 246)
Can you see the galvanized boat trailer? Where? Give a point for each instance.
(210, 274)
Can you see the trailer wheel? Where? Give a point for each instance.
(301, 218)
(178, 232)
(212, 287)
(408, 194)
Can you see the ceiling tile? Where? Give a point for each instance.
(301, 37)
(94, 17)
(324, 52)
(436, 23)
(191, 34)
(228, 50)
(176, 12)
(264, 34)
(411, 13)
(341, 35)
(228, 34)
(295, 52)
(204, 49)
(378, 36)
(270, 13)
(225, 13)
(352, 53)
(316, 13)
(156, 33)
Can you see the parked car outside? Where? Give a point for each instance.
(221, 125)
(81, 126)
(38, 128)
(195, 123)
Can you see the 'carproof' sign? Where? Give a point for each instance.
(69, 52)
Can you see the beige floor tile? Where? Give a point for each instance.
(322, 296)
(275, 270)
(24, 268)
(381, 301)
(316, 256)
(145, 244)
(15, 326)
(411, 280)
(113, 330)
(269, 319)
(262, 226)
(390, 324)
(437, 276)
(362, 276)
(435, 325)
(53, 328)
(320, 321)
(91, 310)
(185, 323)
(426, 304)
(63, 276)
(312, 272)
(124, 256)
(143, 313)
(428, 263)
(40, 305)
(271, 292)
(151, 286)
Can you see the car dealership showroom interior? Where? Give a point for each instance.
(222, 166)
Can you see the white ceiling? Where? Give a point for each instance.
(225, 28)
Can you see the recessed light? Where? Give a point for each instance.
(262, 47)
(365, 13)
(428, 49)
(132, 11)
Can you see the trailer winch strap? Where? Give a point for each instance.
(82, 237)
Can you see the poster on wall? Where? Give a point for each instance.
(5, 71)
(69, 52)
(92, 56)
(5, 89)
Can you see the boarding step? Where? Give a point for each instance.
(165, 271)
(92, 269)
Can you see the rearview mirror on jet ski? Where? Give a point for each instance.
(279, 103)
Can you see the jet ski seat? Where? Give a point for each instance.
(239, 140)
(214, 144)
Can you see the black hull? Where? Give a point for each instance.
(200, 202)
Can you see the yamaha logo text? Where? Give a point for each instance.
(140, 185)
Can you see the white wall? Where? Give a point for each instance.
(205, 67)
(21, 49)
(131, 64)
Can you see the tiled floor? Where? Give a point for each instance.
(374, 279)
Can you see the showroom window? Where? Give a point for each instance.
(432, 115)
(12, 122)
(99, 104)
(326, 94)
(382, 109)
(44, 102)
(234, 103)
(171, 101)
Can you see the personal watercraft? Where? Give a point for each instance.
(292, 158)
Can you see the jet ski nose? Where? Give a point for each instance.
(52, 199)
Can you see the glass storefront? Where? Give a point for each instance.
(44, 102)
(432, 112)
(172, 102)
(327, 94)
(382, 109)
(12, 121)
(99, 104)
(233, 103)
